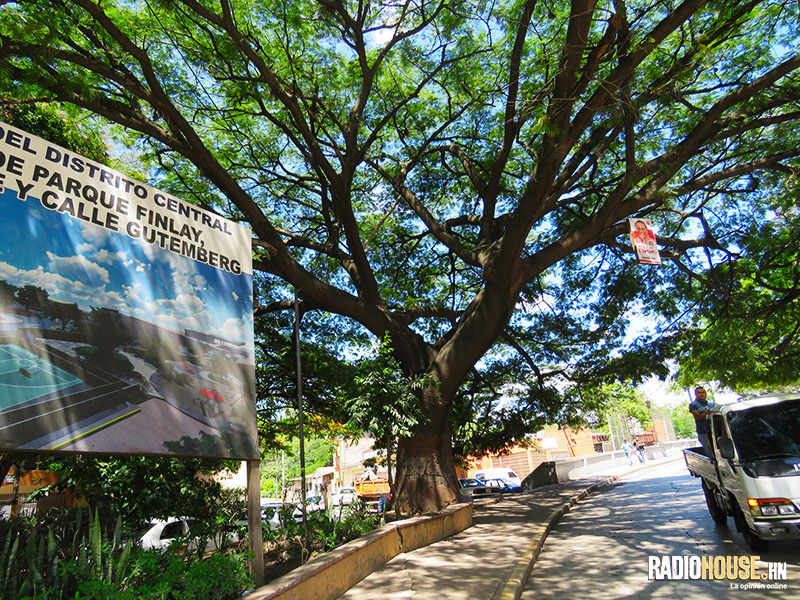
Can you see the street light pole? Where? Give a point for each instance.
(300, 415)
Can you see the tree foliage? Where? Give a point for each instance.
(64, 126)
(683, 422)
(136, 489)
(746, 334)
(385, 404)
(279, 467)
(457, 175)
(327, 378)
(619, 399)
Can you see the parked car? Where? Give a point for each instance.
(313, 504)
(163, 533)
(498, 473)
(344, 497)
(273, 514)
(504, 486)
(472, 489)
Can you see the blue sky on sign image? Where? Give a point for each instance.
(76, 261)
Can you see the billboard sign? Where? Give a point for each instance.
(126, 314)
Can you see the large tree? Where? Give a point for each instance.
(454, 174)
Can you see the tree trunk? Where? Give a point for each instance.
(425, 475)
(425, 471)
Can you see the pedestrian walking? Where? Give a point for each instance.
(639, 445)
(628, 448)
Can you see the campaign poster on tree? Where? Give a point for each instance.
(643, 240)
(126, 314)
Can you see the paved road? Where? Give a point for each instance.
(600, 549)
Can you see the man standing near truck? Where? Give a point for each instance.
(700, 408)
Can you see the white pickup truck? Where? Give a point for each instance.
(754, 473)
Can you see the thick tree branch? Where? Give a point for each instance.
(511, 125)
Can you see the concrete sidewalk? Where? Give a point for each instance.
(492, 559)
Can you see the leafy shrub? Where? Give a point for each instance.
(34, 563)
(170, 576)
(68, 561)
(231, 506)
(326, 530)
(162, 483)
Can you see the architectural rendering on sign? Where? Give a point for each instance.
(125, 314)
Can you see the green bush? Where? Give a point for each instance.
(170, 576)
(70, 555)
(326, 529)
(42, 559)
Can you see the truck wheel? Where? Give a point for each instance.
(717, 512)
(755, 543)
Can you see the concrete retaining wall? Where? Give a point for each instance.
(330, 575)
(575, 468)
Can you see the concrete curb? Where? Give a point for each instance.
(330, 575)
(514, 586)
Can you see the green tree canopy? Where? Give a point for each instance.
(136, 488)
(65, 126)
(615, 404)
(279, 467)
(746, 333)
(457, 175)
(683, 422)
(7, 292)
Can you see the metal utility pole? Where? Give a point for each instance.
(300, 415)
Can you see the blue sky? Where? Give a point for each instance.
(83, 263)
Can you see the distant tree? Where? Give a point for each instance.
(105, 330)
(63, 312)
(8, 292)
(32, 296)
(278, 465)
(621, 403)
(206, 444)
(683, 422)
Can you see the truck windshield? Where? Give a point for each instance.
(765, 432)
